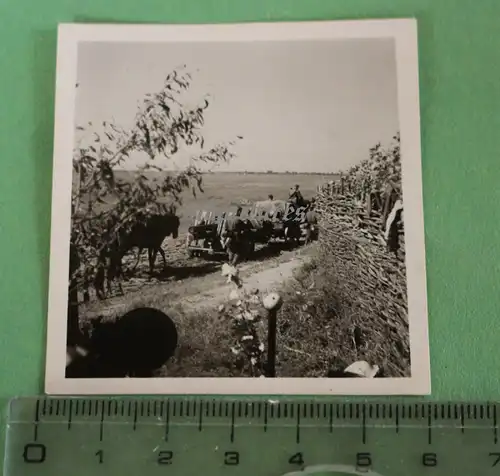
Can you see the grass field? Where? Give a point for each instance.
(225, 190)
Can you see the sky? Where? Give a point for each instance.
(314, 106)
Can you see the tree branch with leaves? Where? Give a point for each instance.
(105, 204)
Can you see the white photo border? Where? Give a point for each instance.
(404, 32)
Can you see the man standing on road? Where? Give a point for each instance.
(233, 242)
(310, 221)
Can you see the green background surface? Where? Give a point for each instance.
(460, 113)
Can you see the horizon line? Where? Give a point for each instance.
(265, 172)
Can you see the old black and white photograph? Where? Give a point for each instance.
(237, 209)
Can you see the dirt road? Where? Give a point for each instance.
(193, 284)
(266, 280)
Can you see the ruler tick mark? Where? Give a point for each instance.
(135, 416)
(495, 427)
(233, 414)
(37, 418)
(297, 435)
(429, 426)
(200, 419)
(101, 425)
(331, 418)
(397, 418)
(70, 416)
(364, 424)
(462, 418)
(167, 420)
(265, 416)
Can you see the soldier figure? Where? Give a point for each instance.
(233, 234)
(296, 196)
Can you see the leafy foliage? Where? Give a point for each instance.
(246, 316)
(381, 169)
(104, 205)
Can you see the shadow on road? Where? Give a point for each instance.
(272, 250)
(184, 272)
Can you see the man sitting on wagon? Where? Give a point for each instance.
(296, 196)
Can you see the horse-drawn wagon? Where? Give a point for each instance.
(260, 223)
(291, 221)
(207, 233)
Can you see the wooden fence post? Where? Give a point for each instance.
(369, 204)
(272, 302)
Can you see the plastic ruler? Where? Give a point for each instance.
(213, 437)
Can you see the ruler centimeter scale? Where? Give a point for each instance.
(182, 435)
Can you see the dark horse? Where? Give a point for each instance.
(150, 234)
